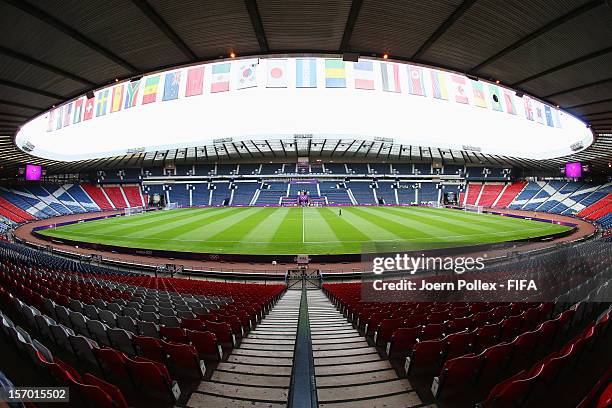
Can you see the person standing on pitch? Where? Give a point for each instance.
(340, 212)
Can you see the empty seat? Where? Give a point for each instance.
(115, 394)
(91, 312)
(515, 390)
(153, 378)
(97, 329)
(205, 343)
(109, 318)
(457, 373)
(458, 344)
(79, 324)
(83, 349)
(149, 329)
(121, 340)
(169, 321)
(127, 323)
(403, 340)
(424, 355)
(174, 334)
(61, 336)
(183, 360)
(114, 365)
(149, 347)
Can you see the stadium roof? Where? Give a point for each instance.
(51, 51)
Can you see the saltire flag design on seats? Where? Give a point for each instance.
(59, 118)
(528, 107)
(416, 85)
(51, 122)
(89, 108)
(549, 118)
(335, 73)
(131, 95)
(460, 92)
(363, 71)
(509, 100)
(195, 81)
(117, 101)
(247, 75)
(102, 102)
(277, 73)
(67, 114)
(438, 85)
(306, 73)
(479, 95)
(78, 110)
(495, 98)
(150, 90)
(390, 77)
(220, 78)
(172, 81)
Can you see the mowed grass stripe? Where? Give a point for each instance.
(316, 228)
(147, 224)
(426, 227)
(188, 224)
(398, 225)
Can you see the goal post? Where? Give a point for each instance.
(473, 208)
(171, 206)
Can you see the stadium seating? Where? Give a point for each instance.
(509, 194)
(385, 192)
(200, 194)
(244, 192)
(226, 169)
(115, 194)
(98, 196)
(272, 194)
(248, 169)
(527, 193)
(334, 193)
(473, 193)
(489, 194)
(362, 192)
(179, 195)
(133, 195)
(428, 192)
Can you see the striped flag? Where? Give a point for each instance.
(78, 110)
(416, 86)
(539, 112)
(528, 107)
(172, 81)
(549, 118)
(220, 77)
(51, 122)
(390, 77)
(495, 98)
(335, 73)
(247, 74)
(89, 108)
(364, 74)
(460, 92)
(59, 118)
(195, 81)
(131, 96)
(67, 114)
(438, 85)
(509, 100)
(306, 73)
(277, 73)
(149, 94)
(479, 96)
(117, 99)
(556, 117)
(102, 102)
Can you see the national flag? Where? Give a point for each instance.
(509, 100)
(438, 85)
(51, 123)
(150, 89)
(102, 102)
(335, 73)
(495, 98)
(220, 77)
(78, 110)
(131, 95)
(89, 108)
(390, 77)
(416, 86)
(306, 73)
(195, 81)
(460, 91)
(67, 114)
(363, 71)
(171, 86)
(479, 96)
(117, 99)
(59, 118)
(539, 112)
(277, 73)
(556, 117)
(247, 74)
(528, 107)
(549, 118)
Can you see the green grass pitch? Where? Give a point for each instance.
(314, 231)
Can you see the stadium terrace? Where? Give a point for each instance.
(334, 204)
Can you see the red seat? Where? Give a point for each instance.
(425, 354)
(432, 332)
(184, 360)
(525, 344)
(193, 324)
(514, 391)
(458, 325)
(415, 320)
(223, 331)
(153, 377)
(511, 327)
(487, 335)
(113, 392)
(205, 343)
(113, 364)
(174, 334)
(496, 359)
(234, 323)
(402, 340)
(457, 372)
(386, 329)
(150, 348)
(458, 344)
(548, 332)
(90, 395)
(531, 318)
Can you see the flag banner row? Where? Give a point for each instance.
(323, 73)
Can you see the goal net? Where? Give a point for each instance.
(133, 211)
(473, 208)
(172, 206)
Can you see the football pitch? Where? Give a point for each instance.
(314, 231)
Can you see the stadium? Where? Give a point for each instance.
(349, 203)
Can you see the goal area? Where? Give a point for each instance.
(473, 208)
(133, 211)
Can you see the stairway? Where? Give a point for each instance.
(258, 372)
(350, 373)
